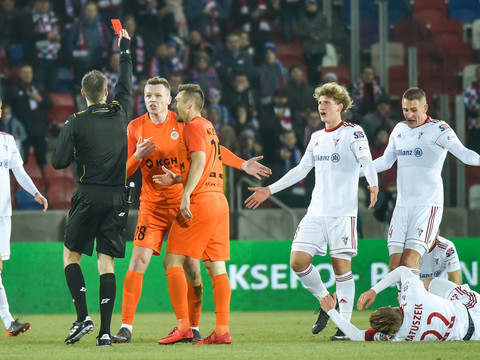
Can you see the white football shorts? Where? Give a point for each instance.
(5, 232)
(314, 233)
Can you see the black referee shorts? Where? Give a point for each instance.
(98, 212)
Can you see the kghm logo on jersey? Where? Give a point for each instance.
(335, 157)
(358, 135)
(443, 127)
(417, 152)
(174, 135)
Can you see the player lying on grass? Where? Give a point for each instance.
(446, 312)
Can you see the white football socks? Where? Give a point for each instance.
(345, 286)
(310, 278)
(4, 309)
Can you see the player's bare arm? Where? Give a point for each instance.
(373, 195)
(259, 196)
(169, 178)
(366, 299)
(194, 175)
(254, 168)
(41, 200)
(328, 302)
(144, 148)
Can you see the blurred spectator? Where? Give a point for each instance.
(289, 14)
(223, 16)
(214, 97)
(289, 157)
(274, 119)
(138, 48)
(300, 94)
(314, 33)
(202, 15)
(365, 93)
(154, 17)
(328, 77)
(230, 59)
(180, 21)
(42, 32)
(245, 44)
(249, 146)
(386, 179)
(11, 125)
(112, 77)
(472, 104)
(204, 74)
(175, 80)
(225, 132)
(255, 16)
(139, 107)
(89, 43)
(272, 75)
(172, 49)
(313, 123)
(109, 9)
(30, 101)
(160, 64)
(380, 118)
(243, 121)
(195, 43)
(241, 93)
(9, 24)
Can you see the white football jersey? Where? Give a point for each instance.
(9, 159)
(334, 154)
(428, 317)
(420, 154)
(441, 260)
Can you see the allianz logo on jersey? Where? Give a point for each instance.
(334, 157)
(4, 163)
(417, 152)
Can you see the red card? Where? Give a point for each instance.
(117, 26)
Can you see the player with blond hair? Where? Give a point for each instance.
(336, 152)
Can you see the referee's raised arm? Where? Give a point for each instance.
(123, 87)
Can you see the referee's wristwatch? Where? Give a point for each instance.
(125, 52)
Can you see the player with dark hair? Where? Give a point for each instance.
(419, 145)
(96, 139)
(10, 159)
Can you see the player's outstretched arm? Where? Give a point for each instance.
(169, 178)
(254, 168)
(328, 305)
(366, 299)
(41, 200)
(259, 196)
(373, 195)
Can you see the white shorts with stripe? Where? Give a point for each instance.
(471, 300)
(314, 233)
(418, 224)
(5, 232)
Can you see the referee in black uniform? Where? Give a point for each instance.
(96, 139)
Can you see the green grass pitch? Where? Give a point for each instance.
(255, 335)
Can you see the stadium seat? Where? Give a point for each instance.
(35, 173)
(464, 10)
(25, 201)
(51, 173)
(456, 55)
(60, 193)
(398, 10)
(409, 31)
(397, 80)
(474, 197)
(446, 30)
(368, 34)
(395, 54)
(342, 72)
(292, 48)
(429, 10)
(63, 105)
(468, 74)
(290, 60)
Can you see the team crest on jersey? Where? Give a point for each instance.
(344, 239)
(335, 142)
(420, 135)
(436, 260)
(174, 135)
(420, 231)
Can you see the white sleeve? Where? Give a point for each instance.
(292, 177)
(24, 180)
(465, 155)
(370, 172)
(348, 329)
(400, 274)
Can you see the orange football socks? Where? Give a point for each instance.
(221, 297)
